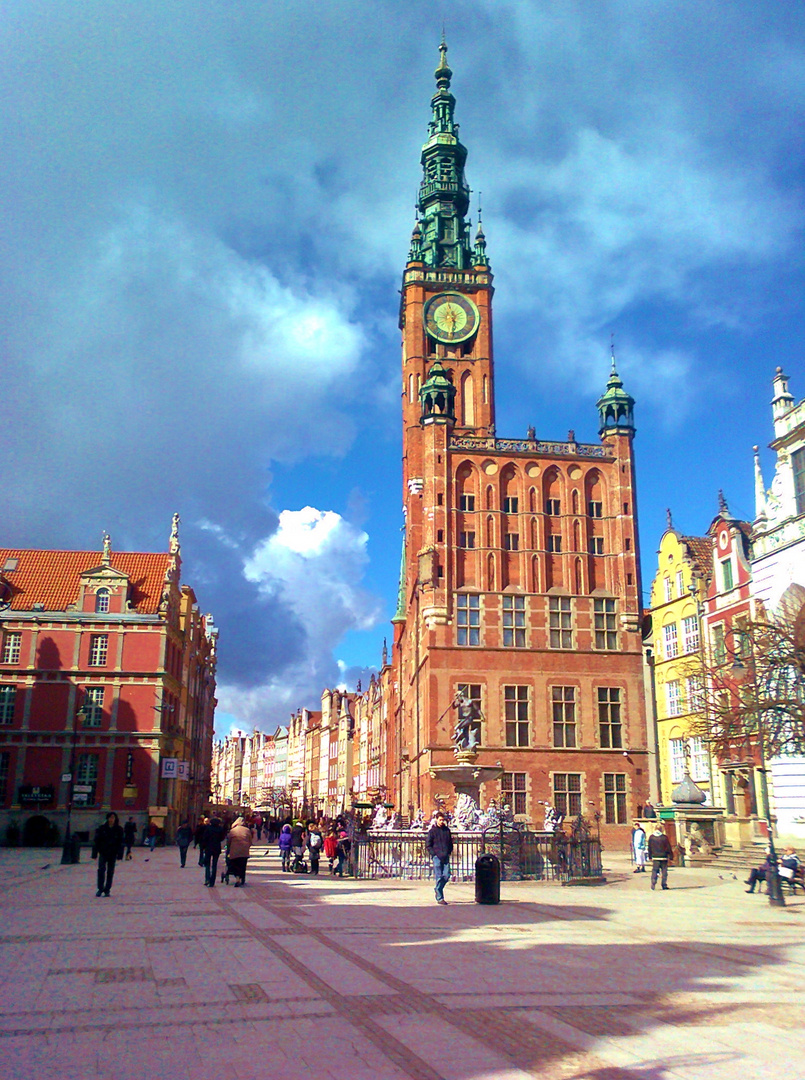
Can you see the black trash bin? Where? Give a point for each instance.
(487, 879)
(75, 850)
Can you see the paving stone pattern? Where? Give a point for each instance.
(294, 977)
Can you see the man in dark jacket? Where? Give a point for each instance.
(659, 851)
(440, 848)
(129, 835)
(184, 835)
(211, 847)
(107, 848)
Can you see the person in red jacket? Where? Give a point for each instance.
(331, 846)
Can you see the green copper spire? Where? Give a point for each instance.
(399, 614)
(444, 196)
(615, 406)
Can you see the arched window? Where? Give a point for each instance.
(102, 600)
(467, 401)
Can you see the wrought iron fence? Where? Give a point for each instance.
(523, 855)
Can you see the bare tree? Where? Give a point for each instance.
(754, 685)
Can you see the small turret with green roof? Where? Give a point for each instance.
(437, 397)
(615, 407)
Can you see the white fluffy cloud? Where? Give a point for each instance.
(312, 565)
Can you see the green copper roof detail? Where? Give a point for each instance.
(615, 406)
(444, 195)
(399, 614)
(437, 396)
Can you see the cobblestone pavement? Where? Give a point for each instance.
(296, 977)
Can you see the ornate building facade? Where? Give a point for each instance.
(520, 584)
(778, 567)
(107, 687)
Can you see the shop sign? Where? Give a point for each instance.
(34, 794)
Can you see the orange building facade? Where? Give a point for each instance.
(520, 585)
(107, 688)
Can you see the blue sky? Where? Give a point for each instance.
(207, 210)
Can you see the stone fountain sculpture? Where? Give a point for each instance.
(465, 774)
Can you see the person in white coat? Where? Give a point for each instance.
(639, 844)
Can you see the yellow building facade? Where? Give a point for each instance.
(677, 595)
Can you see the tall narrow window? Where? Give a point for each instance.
(798, 465)
(719, 644)
(98, 648)
(673, 697)
(560, 619)
(676, 749)
(609, 717)
(515, 702)
(468, 618)
(86, 775)
(12, 644)
(690, 633)
(605, 620)
(514, 621)
(8, 698)
(726, 574)
(93, 706)
(699, 765)
(670, 641)
(513, 791)
(567, 794)
(563, 701)
(615, 798)
(102, 600)
(669, 592)
(680, 583)
(695, 692)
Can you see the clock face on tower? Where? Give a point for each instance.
(451, 317)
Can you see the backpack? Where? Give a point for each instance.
(314, 842)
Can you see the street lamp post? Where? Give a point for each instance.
(67, 848)
(774, 887)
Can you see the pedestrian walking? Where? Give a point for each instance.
(342, 849)
(239, 846)
(129, 836)
(107, 848)
(211, 848)
(440, 847)
(153, 833)
(184, 837)
(331, 846)
(314, 845)
(659, 851)
(639, 844)
(298, 840)
(285, 847)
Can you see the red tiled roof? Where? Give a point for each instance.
(701, 553)
(51, 578)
